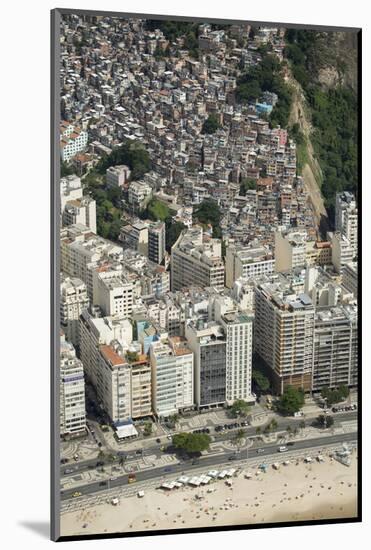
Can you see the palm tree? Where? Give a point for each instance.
(274, 424)
(238, 438)
(302, 425)
(258, 430)
(289, 430)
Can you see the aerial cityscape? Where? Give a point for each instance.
(208, 287)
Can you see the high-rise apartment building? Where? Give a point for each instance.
(73, 301)
(238, 328)
(208, 343)
(156, 242)
(112, 293)
(97, 331)
(342, 251)
(335, 360)
(71, 391)
(141, 387)
(247, 262)
(172, 376)
(114, 384)
(135, 236)
(346, 218)
(81, 211)
(283, 335)
(196, 260)
(290, 250)
(81, 250)
(72, 141)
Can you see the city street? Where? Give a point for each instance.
(159, 473)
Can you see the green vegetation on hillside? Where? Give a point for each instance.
(66, 169)
(130, 153)
(177, 29)
(334, 111)
(157, 210)
(266, 77)
(246, 185)
(208, 212)
(211, 125)
(172, 231)
(108, 201)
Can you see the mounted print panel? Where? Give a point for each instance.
(205, 282)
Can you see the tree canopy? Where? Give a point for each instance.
(261, 380)
(334, 110)
(266, 76)
(239, 408)
(333, 396)
(208, 212)
(291, 401)
(130, 153)
(191, 443)
(211, 125)
(246, 185)
(324, 421)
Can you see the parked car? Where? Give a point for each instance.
(76, 494)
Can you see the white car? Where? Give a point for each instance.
(282, 449)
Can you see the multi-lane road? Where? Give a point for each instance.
(207, 461)
(82, 466)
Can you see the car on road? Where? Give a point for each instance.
(76, 457)
(64, 460)
(68, 471)
(233, 457)
(102, 483)
(100, 463)
(158, 440)
(167, 469)
(260, 450)
(282, 449)
(112, 478)
(76, 494)
(138, 452)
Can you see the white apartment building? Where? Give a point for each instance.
(139, 195)
(114, 384)
(113, 293)
(172, 376)
(290, 250)
(97, 331)
(196, 260)
(346, 218)
(72, 141)
(342, 251)
(80, 211)
(73, 301)
(71, 391)
(70, 189)
(283, 335)
(81, 250)
(247, 262)
(238, 328)
(117, 176)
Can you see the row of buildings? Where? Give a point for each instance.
(157, 333)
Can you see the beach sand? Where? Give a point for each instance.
(295, 492)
